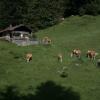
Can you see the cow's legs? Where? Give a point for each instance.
(27, 59)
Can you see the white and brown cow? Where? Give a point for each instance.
(91, 54)
(28, 57)
(76, 52)
(46, 40)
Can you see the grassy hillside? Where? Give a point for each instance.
(83, 75)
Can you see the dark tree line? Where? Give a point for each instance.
(39, 14)
(82, 7)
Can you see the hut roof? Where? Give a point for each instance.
(20, 27)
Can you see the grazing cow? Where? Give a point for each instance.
(28, 57)
(46, 40)
(91, 54)
(76, 52)
(60, 57)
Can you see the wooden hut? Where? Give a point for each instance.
(16, 32)
(19, 34)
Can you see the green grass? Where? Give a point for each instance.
(74, 32)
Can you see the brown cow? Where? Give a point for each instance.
(91, 54)
(46, 40)
(28, 57)
(76, 52)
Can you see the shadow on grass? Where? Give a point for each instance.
(46, 91)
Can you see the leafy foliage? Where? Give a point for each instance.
(39, 14)
(36, 13)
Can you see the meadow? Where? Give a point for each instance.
(83, 75)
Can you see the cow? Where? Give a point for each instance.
(60, 57)
(76, 52)
(28, 57)
(46, 40)
(91, 54)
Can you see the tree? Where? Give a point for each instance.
(12, 11)
(44, 13)
(81, 7)
(37, 14)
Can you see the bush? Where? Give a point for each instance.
(92, 9)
